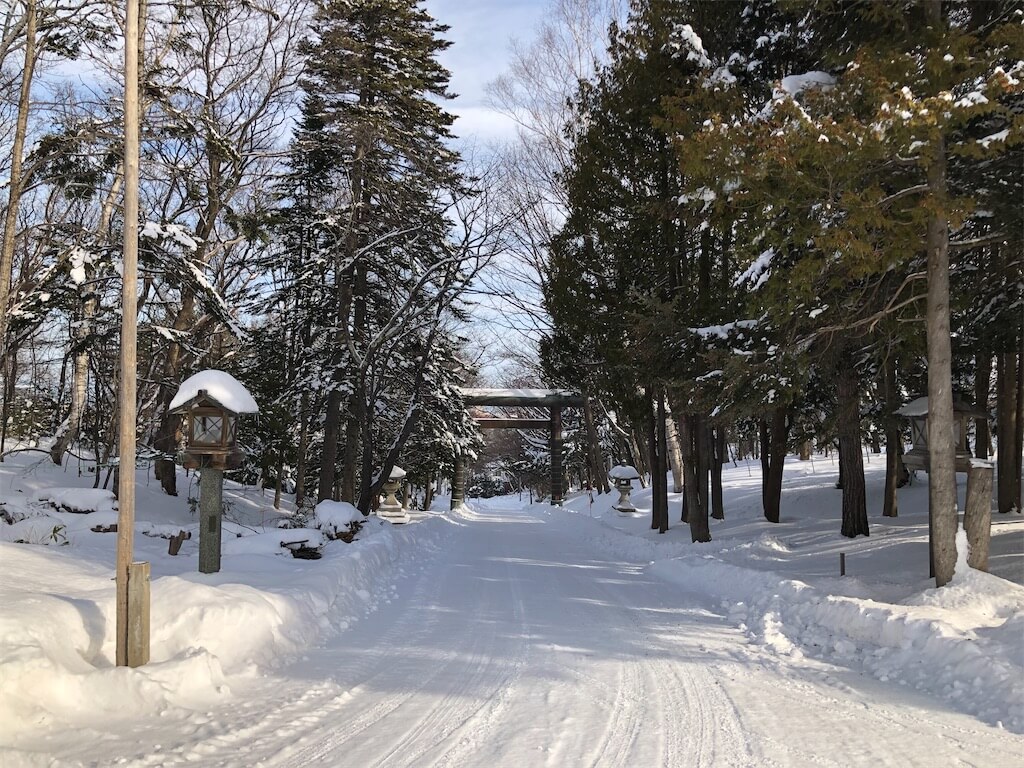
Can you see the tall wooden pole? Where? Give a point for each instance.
(129, 300)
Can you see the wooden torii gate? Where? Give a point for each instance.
(552, 399)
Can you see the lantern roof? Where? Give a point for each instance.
(217, 388)
(919, 407)
(623, 472)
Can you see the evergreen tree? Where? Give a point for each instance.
(373, 66)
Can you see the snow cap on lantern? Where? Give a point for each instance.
(623, 471)
(623, 474)
(210, 402)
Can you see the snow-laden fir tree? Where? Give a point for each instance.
(372, 64)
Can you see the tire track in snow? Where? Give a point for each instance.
(297, 705)
(478, 666)
(411, 633)
(485, 720)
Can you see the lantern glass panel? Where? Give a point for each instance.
(919, 430)
(207, 429)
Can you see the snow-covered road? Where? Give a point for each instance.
(519, 644)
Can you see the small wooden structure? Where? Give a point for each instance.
(552, 399)
(917, 412)
(209, 431)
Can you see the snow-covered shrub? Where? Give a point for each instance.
(338, 519)
(42, 529)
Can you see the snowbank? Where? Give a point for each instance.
(56, 643)
(961, 643)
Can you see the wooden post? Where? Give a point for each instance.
(842, 563)
(138, 614)
(459, 482)
(129, 301)
(556, 456)
(978, 514)
(211, 488)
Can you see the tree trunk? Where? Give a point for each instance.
(329, 455)
(1006, 432)
(696, 509)
(855, 513)
(14, 182)
(166, 435)
(662, 478)
(80, 378)
(639, 457)
(675, 453)
(942, 502)
(773, 458)
(893, 438)
(764, 452)
(9, 367)
(599, 471)
(652, 453)
(717, 501)
(301, 450)
(982, 383)
(1019, 427)
(277, 483)
(978, 516)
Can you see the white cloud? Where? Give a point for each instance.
(481, 31)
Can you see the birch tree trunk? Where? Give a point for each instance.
(675, 453)
(72, 427)
(14, 183)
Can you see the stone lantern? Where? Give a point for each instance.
(917, 412)
(623, 475)
(391, 508)
(209, 404)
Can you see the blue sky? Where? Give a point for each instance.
(480, 32)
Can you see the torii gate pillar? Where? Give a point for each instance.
(459, 482)
(557, 480)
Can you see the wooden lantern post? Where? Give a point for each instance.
(211, 447)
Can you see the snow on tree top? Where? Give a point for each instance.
(723, 331)
(623, 472)
(795, 84)
(221, 386)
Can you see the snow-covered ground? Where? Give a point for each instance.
(509, 635)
